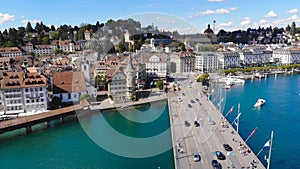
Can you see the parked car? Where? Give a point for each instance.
(216, 164)
(197, 157)
(227, 147)
(190, 106)
(196, 123)
(187, 123)
(220, 155)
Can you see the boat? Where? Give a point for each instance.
(259, 102)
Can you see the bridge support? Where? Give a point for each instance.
(28, 129)
(62, 120)
(48, 124)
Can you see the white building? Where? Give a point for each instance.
(11, 52)
(39, 49)
(206, 62)
(255, 55)
(287, 56)
(69, 86)
(23, 92)
(228, 60)
(156, 65)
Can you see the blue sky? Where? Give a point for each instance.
(185, 15)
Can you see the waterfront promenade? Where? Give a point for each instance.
(208, 137)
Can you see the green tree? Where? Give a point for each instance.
(159, 84)
(293, 28)
(29, 28)
(45, 40)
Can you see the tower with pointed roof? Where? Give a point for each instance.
(130, 79)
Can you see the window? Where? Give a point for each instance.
(75, 95)
(41, 89)
(69, 95)
(26, 90)
(42, 100)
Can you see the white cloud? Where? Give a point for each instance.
(271, 14)
(215, 0)
(22, 17)
(6, 18)
(293, 18)
(246, 21)
(217, 11)
(292, 11)
(261, 22)
(225, 24)
(34, 21)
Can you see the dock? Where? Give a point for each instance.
(209, 137)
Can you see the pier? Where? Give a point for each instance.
(209, 137)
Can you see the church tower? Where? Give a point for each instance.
(130, 79)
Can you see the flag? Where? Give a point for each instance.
(267, 144)
(252, 133)
(231, 109)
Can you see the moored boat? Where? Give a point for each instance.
(259, 102)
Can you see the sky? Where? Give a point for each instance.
(186, 16)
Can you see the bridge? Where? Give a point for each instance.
(191, 104)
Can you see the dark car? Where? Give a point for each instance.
(196, 123)
(187, 123)
(197, 99)
(192, 101)
(216, 164)
(227, 147)
(220, 155)
(190, 106)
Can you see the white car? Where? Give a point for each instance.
(196, 157)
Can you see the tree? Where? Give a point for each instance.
(84, 96)
(288, 28)
(293, 29)
(159, 84)
(29, 28)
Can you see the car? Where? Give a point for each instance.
(196, 123)
(211, 122)
(197, 99)
(179, 99)
(192, 101)
(227, 147)
(220, 155)
(190, 106)
(183, 94)
(196, 156)
(216, 164)
(187, 123)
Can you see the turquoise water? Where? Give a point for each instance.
(68, 146)
(281, 113)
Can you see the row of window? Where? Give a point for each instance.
(35, 100)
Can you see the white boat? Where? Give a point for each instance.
(259, 102)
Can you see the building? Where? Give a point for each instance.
(156, 65)
(252, 55)
(206, 62)
(39, 49)
(23, 92)
(287, 56)
(117, 86)
(182, 62)
(11, 52)
(228, 60)
(122, 84)
(209, 33)
(5, 63)
(68, 86)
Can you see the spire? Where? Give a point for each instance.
(129, 67)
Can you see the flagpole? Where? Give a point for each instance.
(270, 151)
(251, 134)
(238, 120)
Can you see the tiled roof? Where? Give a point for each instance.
(68, 82)
(13, 80)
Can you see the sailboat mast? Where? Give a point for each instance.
(270, 151)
